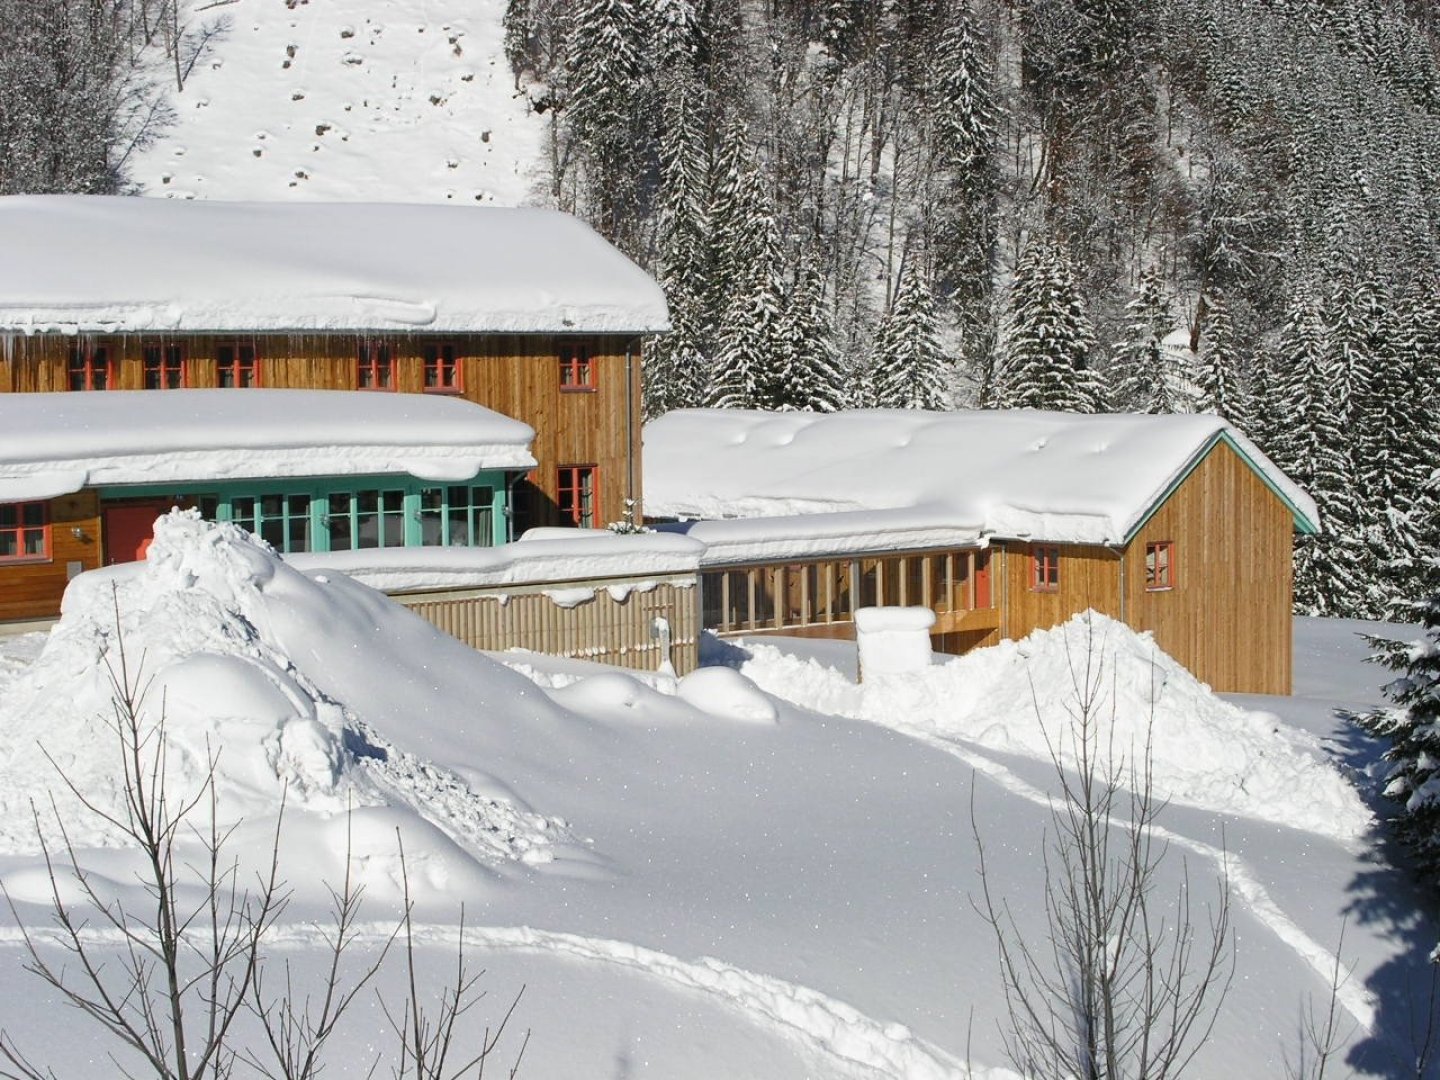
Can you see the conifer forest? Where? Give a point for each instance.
(1150, 205)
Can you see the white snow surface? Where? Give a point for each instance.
(693, 878)
(52, 444)
(411, 100)
(1017, 473)
(538, 557)
(1021, 697)
(129, 265)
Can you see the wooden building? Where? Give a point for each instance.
(527, 312)
(1001, 523)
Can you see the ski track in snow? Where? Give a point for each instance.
(825, 1026)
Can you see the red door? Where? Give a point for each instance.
(129, 530)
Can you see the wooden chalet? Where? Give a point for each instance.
(1001, 523)
(201, 317)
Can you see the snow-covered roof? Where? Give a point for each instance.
(53, 444)
(1029, 474)
(124, 264)
(541, 556)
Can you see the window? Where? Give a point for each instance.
(1160, 566)
(442, 370)
(375, 368)
(24, 531)
(576, 496)
(89, 367)
(576, 370)
(165, 367)
(236, 366)
(457, 517)
(1045, 569)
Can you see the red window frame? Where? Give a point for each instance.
(577, 369)
(1160, 565)
(1045, 568)
(577, 494)
(165, 367)
(89, 367)
(375, 367)
(20, 524)
(237, 365)
(444, 373)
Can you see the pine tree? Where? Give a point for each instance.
(1142, 377)
(909, 369)
(1218, 379)
(809, 364)
(1411, 724)
(1048, 340)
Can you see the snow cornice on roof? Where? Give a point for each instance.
(54, 444)
(1023, 474)
(117, 264)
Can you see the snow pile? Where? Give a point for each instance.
(53, 444)
(1027, 473)
(1021, 697)
(893, 640)
(113, 264)
(278, 678)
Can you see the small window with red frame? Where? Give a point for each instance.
(577, 372)
(165, 367)
(1160, 566)
(442, 370)
(1045, 569)
(237, 366)
(576, 496)
(24, 531)
(89, 367)
(375, 367)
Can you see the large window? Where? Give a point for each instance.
(237, 366)
(165, 367)
(577, 496)
(89, 367)
(457, 516)
(442, 370)
(576, 370)
(1045, 568)
(24, 531)
(375, 367)
(1160, 566)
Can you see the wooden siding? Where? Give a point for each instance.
(605, 630)
(1089, 578)
(32, 590)
(1227, 616)
(517, 375)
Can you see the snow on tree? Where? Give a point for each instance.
(809, 366)
(909, 369)
(1045, 360)
(1141, 370)
(1218, 376)
(1411, 724)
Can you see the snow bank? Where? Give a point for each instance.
(315, 689)
(116, 264)
(1020, 697)
(538, 557)
(1018, 473)
(893, 640)
(52, 444)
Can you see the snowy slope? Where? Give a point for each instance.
(694, 881)
(406, 100)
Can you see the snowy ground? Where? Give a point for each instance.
(704, 881)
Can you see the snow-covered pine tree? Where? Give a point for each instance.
(675, 374)
(1411, 724)
(909, 369)
(809, 364)
(1141, 374)
(1218, 377)
(1045, 359)
(1331, 570)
